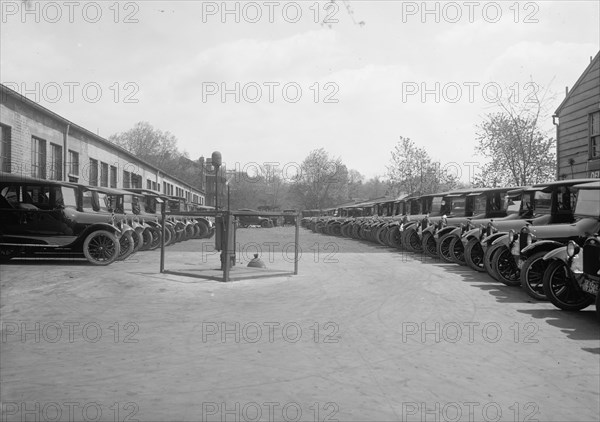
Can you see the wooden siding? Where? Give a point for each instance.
(573, 123)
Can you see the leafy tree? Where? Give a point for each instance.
(520, 152)
(160, 149)
(321, 183)
(412, 171)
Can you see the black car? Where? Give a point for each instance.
(42, 217)
(247, 217)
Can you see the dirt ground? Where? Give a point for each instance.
(362, 333)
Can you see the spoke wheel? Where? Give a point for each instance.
(156, 237)
(428, 245)
(532, 275)
(126, 245)
(101, 247)
(474, 255)
(413, 242)
(562, 289)
(443, 247)
(489, 258)
(457, 250)
(147, 239)
(506, 268)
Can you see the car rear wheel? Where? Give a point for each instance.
(101, 247)
(474, 255)
(562, 289)
(532, 275)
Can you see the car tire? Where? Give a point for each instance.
(561, 289)
(457, 251)
(156, 234)
(474, 255)
(505, 268)
(412, 241)
(147, 239)
(101, 247)
(443, 247)
(126, 245)
(265, 224)
(138, 240)
(488, 259)
(532, 275)
(429, 245)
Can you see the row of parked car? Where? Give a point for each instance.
(61, 219)
(544, 238)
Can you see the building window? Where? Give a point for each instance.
(38, 158)
(126, 179)
(595, 135)
(55, 168)
(113, 177)
(136, 181)
(104, 174)
(148, 184)
(5, 143)
(93, 179)
(73, 163)
(154, 186)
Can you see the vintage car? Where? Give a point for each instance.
(289, 217)
(95, 200)
(247, 217)
(477, 229)
(442, 237)
(572, 278)
(534, 242)
(46, 218)
(552, 203)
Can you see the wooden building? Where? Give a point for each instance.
(578, 127)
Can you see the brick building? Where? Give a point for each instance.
(35, 141)
(578, 126)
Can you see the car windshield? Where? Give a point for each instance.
(543, 202)
(150, 205)
(104, 202)
(479, 204)
(459, 206)
(512, 204)
(436, 204)
(415, 207)
(588, 203)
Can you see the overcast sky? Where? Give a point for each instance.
(352, 87)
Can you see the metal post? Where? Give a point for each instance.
(225, 253)
(296, 244)
(162, 238)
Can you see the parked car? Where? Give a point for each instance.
(552, 203)
(248, 217)
(289, 217)
(572, 278)
(46, 218)
(535, 242)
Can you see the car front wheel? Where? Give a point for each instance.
(532, 275)
(562, 289)
(101, 247)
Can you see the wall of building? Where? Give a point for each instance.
(21, 120)
(574, 126)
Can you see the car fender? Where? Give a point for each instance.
(451, 229)
(495, 238)
(558, 253)
(539, 246)
(429, 229)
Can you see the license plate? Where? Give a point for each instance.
(590, 286)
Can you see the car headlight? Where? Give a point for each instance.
(530, 238)
(512, 236)
(572, 249)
